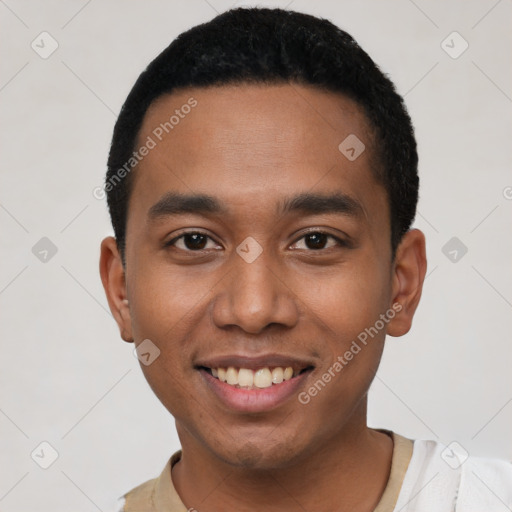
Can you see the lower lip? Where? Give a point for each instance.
(254, 400)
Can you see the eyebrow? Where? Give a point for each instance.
(174, 203)
(314, 204)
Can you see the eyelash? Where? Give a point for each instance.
(339, 241)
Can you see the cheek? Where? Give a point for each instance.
(163, 301)
(347, 301)
(347, 307)
(162, 309)
(170, 386)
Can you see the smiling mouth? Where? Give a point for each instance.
(261, 378)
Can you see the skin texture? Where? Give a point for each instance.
(251, 146)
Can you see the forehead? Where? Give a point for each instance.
(254, 140)
(234, 120)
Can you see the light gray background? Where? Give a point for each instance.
(66, 376)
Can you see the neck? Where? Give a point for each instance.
(347, 473)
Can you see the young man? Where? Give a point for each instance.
(262, 182)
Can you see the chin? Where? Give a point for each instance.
(260, 456)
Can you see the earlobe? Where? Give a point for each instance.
(113, 278)
(409, 271)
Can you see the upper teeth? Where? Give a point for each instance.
(247, 378)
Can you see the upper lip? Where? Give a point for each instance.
(255, 362)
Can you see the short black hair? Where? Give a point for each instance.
(273, 46)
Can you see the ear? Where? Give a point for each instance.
(113, 279)
(409, 270)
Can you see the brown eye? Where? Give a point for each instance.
(316, 240)
(192, 241)
(319, 240)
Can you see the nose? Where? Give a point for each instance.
(254, 296)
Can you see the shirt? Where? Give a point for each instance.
(425, 476)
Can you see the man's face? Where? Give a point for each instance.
(268, 282)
